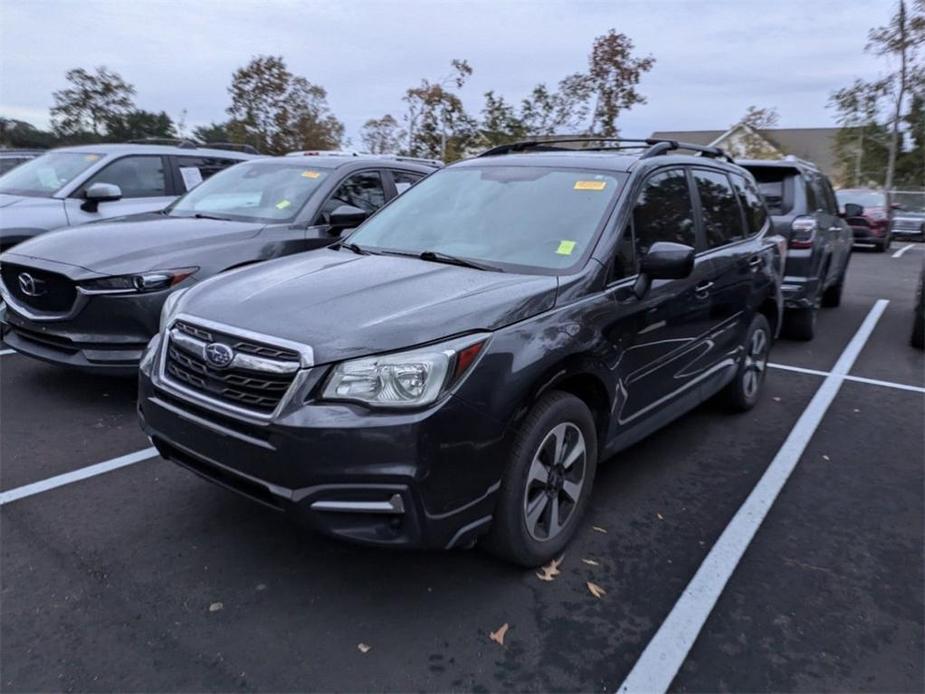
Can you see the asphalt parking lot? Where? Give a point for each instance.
(145, 578)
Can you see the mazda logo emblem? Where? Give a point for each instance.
(30, 285)
(219, 355)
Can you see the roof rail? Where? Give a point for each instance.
(169, 141)
(436, 163)
(352, 153)
(231, 147)
(653, 147)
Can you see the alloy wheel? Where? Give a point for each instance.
(756, 361)
(554, 481)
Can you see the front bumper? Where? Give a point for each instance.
(425, 479)
(107, 335)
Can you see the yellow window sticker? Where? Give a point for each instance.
(91, 157)
(283, 204)
(311, 174)
(565, 247)
(590, 185)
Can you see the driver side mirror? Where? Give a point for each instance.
(346, 217)
(100, 192)
(664, 261)
(853, 210)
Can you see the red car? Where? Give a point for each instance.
(871, 223)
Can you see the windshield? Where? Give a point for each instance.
(864, 198)
(526, 217)
(253, 192)
(46, 175)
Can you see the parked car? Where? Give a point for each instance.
(90, 297)
(909, 224)
(11, 158)
(917, 339)
(458, 364)
(804, 210)
(869, 218)
(75, 185)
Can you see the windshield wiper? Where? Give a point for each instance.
(200, 215)
(353, 247)
(437, 257)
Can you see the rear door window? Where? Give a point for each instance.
(136, 176)
(664, 211)
(194, 170)
(775, 184)
(363, 190)
(756, 214)
(404, 180)
(722, 217)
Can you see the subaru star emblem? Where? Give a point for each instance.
(30, 285)
(219, 355)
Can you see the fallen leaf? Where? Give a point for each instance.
(551, 570)
(596, 590)
(215, 607)
(598, 529)
(776, 399)
(498, 636)
(590, 562)
(825, 457)
(363, 648)
(660, 516)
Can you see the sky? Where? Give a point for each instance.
(714, 58)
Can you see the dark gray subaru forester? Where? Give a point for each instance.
(458, 365)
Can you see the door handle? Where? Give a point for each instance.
(755, 261)
(702, 290)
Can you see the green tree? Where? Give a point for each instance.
(278, 112)
(500, 122)
(437, 123)
(213, 132)
(382, 135)
(900, 41)
(861, 144)
(89, 101)
(139, 124)
(17, 133)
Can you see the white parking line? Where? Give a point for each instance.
(856, 379)
(666, 652)
(77, 475)
(902, 250)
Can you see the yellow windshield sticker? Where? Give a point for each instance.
(91, 157)
(565, 247)
(283, 204)
(590, 185)
(311, 174)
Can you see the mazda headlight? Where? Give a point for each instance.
(171, 308)
(153, 281)
(405, 379)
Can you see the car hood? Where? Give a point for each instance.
(7, 199)
(146, 242)
(344, 305)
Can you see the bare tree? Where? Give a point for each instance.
(91, 100)
(613, 75)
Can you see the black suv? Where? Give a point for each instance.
(804, 210)
(457, 366)
(90, 297)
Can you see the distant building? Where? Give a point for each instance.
(812, 144)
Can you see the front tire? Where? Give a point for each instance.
(884, 245)
(800, 323)
(547, 486)
(745, 389)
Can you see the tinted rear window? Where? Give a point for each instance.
(776, 186)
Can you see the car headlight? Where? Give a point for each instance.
(171, 308)
(405, 379)
(153, 281)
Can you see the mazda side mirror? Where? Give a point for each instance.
(346, 217)
(664, 261)
(853, 210)
(100, 192)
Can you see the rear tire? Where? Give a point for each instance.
(831, 297)
(800, 323)
(917, 339)
(745, 389)
(547, 485)
(884, 245)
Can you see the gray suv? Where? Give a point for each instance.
(75, 185)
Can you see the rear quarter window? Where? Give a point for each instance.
(776, 185)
